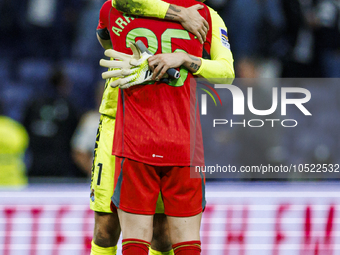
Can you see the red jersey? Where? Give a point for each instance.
(157, 124)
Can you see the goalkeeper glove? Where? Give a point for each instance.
(119, 61)
(132, 69)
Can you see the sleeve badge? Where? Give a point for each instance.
(224, 38)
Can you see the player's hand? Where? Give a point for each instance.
(192, 21)
(139, 74)
(160, 63)
(134, 72)
(121, 62)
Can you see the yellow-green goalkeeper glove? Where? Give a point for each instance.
(132, 69)
(119, 61)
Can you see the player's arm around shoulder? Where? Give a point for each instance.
(220, 68)
(189, 17)
(147, 8)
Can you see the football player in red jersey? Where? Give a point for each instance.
(152, 140)
(224, 62)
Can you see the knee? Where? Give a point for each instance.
(161, 235)
(106, 229)
(161, 242)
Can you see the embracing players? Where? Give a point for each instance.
(221, 66)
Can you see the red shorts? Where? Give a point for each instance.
(137, 186)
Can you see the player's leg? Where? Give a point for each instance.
(161, 243)
(184, 228)
(137, 233)
(107, 229)
(185, 234)
(135, 195)
(136, 226)
(106, 234)
(184, 201)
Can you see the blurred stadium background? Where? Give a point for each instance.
(50, 84)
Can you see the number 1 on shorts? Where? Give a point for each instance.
(100, 165)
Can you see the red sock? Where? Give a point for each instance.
(135, 247)
(187, 248)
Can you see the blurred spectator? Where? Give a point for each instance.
(50, 27)
(83, 140)
(302, 58)
(13, 144)
(242, 18)
(10, 28)
(274, 29)
(326, 21)
(51, 121)
(217, 5)
(257, 145)
(86, 45)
